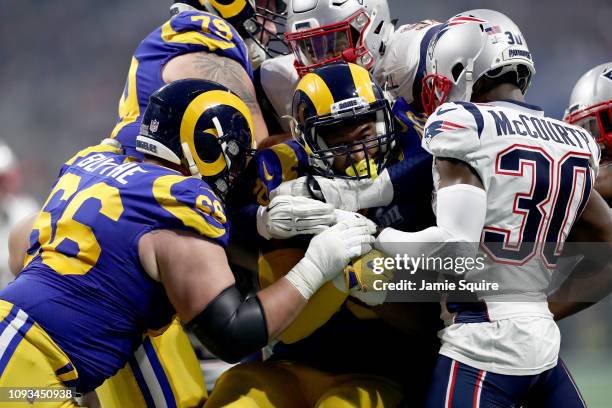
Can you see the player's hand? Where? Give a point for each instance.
(288, 216)
(343, 194)
(359, 277)
(330, 251)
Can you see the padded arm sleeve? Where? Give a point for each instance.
(231, 327)
(461, 210)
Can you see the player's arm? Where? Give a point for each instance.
(603, 184)
(592, 277)
(226, 71)
(195, 272)
(201, 286)
(19, 242)
(461, 205)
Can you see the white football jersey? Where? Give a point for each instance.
(538, 173)
(403, 63)
(278, 80)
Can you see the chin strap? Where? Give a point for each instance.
(469, 79)
(191, 164)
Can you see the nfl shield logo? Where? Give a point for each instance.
(154, 125)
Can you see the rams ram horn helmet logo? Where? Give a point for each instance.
(202, 127)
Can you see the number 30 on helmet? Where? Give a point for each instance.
(201, 126)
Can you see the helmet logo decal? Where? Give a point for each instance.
(351, 105)
(154, 125)
(608, 74)
(455, 21)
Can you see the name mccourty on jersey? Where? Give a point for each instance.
(539, 128)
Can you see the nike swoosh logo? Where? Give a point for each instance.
(266, 174)
(443, 111)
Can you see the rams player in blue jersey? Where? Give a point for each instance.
(202, 39)
(197, 42)
(121, 247)
(346, 131)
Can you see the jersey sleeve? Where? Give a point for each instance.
(187, 203)
(454, 131)
(278, 163)
(410, 123)
(278, 79)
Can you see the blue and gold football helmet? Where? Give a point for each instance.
(201, 127)
(344, 120)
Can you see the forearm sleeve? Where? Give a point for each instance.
(460, 215)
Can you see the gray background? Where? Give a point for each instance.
(63, 66)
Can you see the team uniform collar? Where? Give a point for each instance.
(509, 103)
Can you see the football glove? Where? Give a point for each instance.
(343, 194)
(288, 216)
(330, 251)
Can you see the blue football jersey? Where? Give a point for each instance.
(184, 33)
(83, 282)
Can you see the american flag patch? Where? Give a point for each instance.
(492, 30)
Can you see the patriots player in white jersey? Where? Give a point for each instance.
(356, 31)
(514, 181)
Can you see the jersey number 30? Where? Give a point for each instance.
(566, 181)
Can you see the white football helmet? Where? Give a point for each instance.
(324, 31)
(590, 105)
(469, 46)
(400, 71)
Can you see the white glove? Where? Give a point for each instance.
(343, 194)
(329, 252)
(288, 216)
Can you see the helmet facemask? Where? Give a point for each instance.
(265, 30)
(597, 120)
(337, 159)
(314, 47)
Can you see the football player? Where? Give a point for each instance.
(196, 42)
(122, 246)
(506, 176)
(347, 131)
(360, 32)
(320, 33)
(590, 107)
(202, 39)
(395, 58)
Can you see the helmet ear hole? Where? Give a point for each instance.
(522, 70)
(207, 147)
(457, 70)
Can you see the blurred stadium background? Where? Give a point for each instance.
(63, 66)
